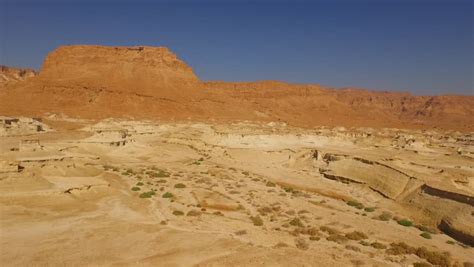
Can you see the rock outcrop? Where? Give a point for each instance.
(9, 74)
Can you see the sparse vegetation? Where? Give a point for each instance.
(148, 194)
(193, 213)
(405, 222)
(135, 188)
(329, 230)
(435, 258)
(256, 220)
(296, 222)
(426, 235)
(385, 216)
(338, 238)
(378, 245)
(140, 184)
(301, 243)
(167, 195)
(270, 184)
(178, 213)
(369, 209)
(180, 185)
(355, 204)
(356, 235)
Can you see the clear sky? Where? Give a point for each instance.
(421, 46)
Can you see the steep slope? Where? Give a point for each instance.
(151, 82)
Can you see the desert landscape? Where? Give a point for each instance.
(122, 156)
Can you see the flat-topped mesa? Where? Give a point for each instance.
(142, 70)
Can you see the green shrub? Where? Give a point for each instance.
(405, 222)
(426, 235)
(369, 209)
(451, 242)
(148, 194)
(355, 204)
(180, 185)
(135, 188)
(167, 195)
(140, 184)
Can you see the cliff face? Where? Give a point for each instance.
(140, 70)
(151, 82)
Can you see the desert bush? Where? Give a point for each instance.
(369, 209)
(329, 230)
(140, 184)
(296, 222)
(385, 216)
(180, 185)
(160, 173)
(256, 220)
(356, 235)
(435, 258)
(400, 248)
(193, 213)
(355, 204)
(338, 238)
(314, 238)
(245, 173)
(148, 194)
(167, 195)
(241, 232)
(451, 242)
(421, 264)
(178, 213)
(135, 188)
(405, 222)
(425, 229)
(378, 245)
(426, 235)
(270, 184)
(301, 243)
(364, 243)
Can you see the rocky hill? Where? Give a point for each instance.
(152, 82)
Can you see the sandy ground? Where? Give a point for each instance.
(141, 193)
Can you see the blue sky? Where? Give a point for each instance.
(425, 47)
